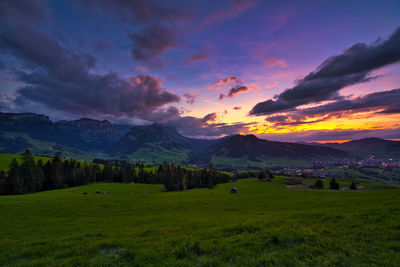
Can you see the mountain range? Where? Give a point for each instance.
(88, 138)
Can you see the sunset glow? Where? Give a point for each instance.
(256, 67)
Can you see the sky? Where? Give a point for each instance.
(282, 70)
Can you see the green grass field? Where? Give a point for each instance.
(263, 224)
(5, 160)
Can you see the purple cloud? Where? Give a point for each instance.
(335, 73)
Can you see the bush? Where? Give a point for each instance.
(333, 184)
(353, 186)
(319, 184)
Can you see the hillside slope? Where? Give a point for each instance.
(377, 147)
(252, 151)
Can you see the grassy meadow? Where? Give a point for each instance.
(5, 160)
(264, 224)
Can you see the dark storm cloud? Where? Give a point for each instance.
(62, 79)
(335, 73)
(158, 22)
(38, 48)
(151, 43)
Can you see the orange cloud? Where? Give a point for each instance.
(271, 85)
(272, 62)
(217, 85)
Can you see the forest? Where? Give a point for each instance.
(30, 176)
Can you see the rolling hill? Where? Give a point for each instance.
(377, 147)
(254, 152)
(160, 143)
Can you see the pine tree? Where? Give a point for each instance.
(107, 172)
(31, 175)
(11, 182)
(56, 172)
(2, 182)
(46, 169)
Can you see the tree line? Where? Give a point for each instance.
(31, 176)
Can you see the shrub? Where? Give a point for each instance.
(353, 186)
(319, 184)
(333, 184)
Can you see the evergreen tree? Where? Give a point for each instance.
(46, 170)
(31, 176)
(12, 184)
(107, 172)
(2, 183)
(56, 172)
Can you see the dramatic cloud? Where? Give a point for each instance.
(196, 57)
(335, 73)
(152, 42)
(156, 19)
(272, 62)
(239, 89)
(217, 85)
(380, 102)
(141, 68)
(220, 15)
(63, 80)
(190, 98)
